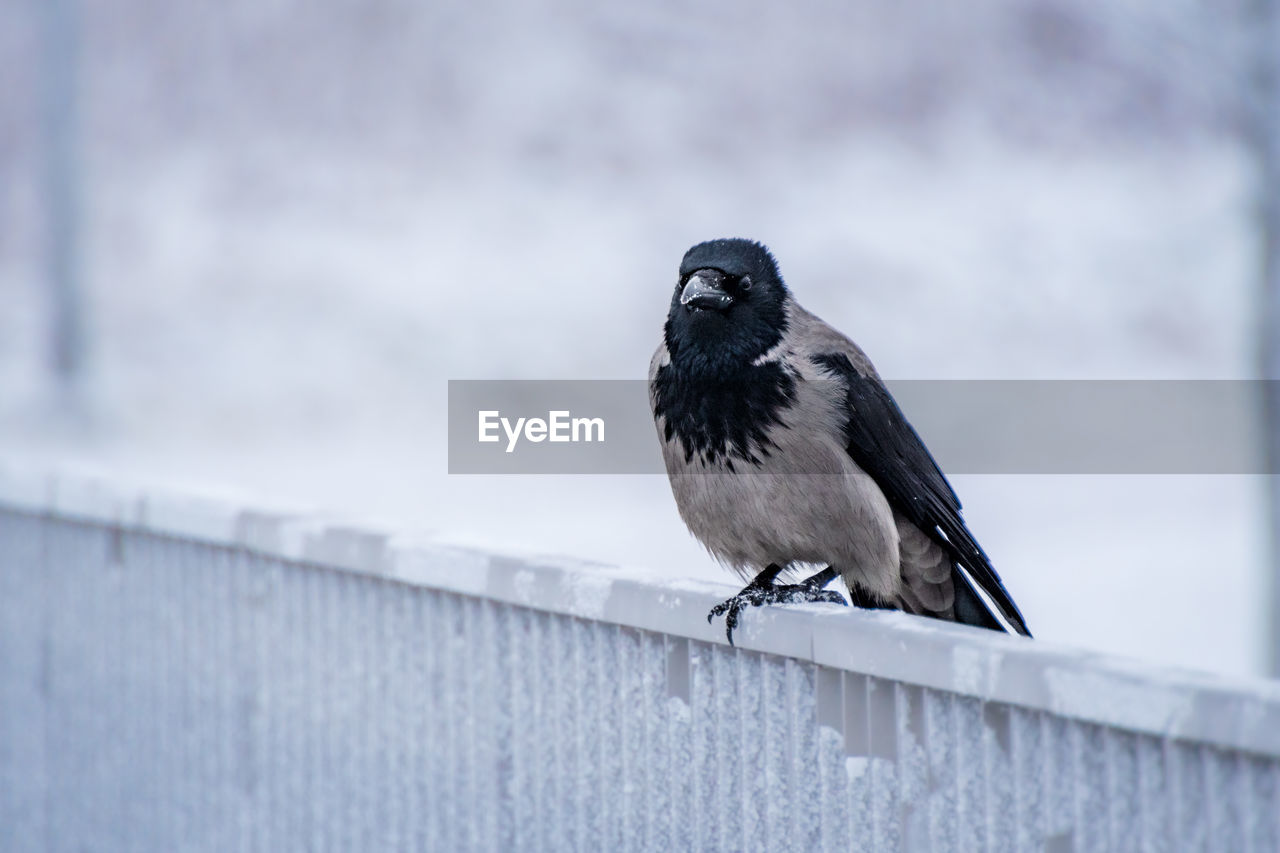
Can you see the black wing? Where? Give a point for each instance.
(885, 446)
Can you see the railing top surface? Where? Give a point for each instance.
(1227, 712)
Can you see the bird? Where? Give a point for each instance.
(784, 448)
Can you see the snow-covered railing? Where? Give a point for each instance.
(180, 674)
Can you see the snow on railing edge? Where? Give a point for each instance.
(1236, 713)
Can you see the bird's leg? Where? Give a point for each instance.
(762, 590)
(867, 600)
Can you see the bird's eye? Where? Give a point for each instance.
(745, 282)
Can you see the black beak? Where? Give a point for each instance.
(703, 290)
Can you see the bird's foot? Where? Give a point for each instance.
(762, 590)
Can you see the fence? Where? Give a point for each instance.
(179, 674)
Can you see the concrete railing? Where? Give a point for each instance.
(179, 674)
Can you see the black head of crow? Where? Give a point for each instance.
(784, 448)
(729, 306)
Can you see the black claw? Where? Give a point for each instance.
(762, 591)
(734, 615)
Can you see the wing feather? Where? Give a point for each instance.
(886, 446)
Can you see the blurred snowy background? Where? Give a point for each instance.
(298, 220)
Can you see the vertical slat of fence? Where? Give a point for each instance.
(1193, 800)
(672, 783)
(275, 710)
(941, 807)
(992, 766)
(776, 766)
(974, 809)
(593, 734)
(138, 774)
(481, 678)
(829, 767)
(503, 689)
(455, 737)
(752, 725)
(1229, 817)
(882, 721)
(913, 764)
(621, 765)
(24, 773)
(1026, 761)
(805, 762)
(417, 743)
(1123, 790)
(392, 666)
(77, 754)
(187, 617)
(600, 720)
(1094, 791)
(1266, 803)
(703, 820)
(1153, 814)
(652, 798)
(724, 748)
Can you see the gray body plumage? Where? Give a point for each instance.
(808, 501)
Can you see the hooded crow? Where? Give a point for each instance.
(784, 448)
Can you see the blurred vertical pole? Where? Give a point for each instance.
(60, 110)
(1263, 106)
